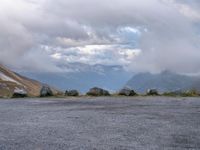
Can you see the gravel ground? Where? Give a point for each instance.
(139, 123)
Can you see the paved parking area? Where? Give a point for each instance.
(116, 123)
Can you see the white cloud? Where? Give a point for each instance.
(96, 54)
(189, 12)
(56, 55)
(37, 34)
(130, 30)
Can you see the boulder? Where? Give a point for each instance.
(46, 91)
(19, 93)
(72, 93)
(152, 92)
(66, 93)
(98, 92)
(127, 92)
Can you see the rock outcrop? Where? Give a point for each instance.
(152, 92)
(98, 92)
(19, 93)
(127, 92)
(46, 91)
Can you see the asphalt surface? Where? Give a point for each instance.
(141, 123)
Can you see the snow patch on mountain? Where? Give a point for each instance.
(6, 78)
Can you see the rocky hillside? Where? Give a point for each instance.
(9, 81)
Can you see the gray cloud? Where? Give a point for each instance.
(39, 34)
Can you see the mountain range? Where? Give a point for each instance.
(165, 81)
(83, 77)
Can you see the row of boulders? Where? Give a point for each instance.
(21, 93)
(46, 91)
(92, 92)
(102, 92)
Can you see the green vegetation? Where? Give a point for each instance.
(189, 93)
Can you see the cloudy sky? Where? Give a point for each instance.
(140, 35)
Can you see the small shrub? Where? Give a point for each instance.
(190, 93)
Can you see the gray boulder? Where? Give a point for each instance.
(152, 92)
(46, 91)
(19, 93)
(127, 92)
(98, 92)
(72, 93)
(66, 93)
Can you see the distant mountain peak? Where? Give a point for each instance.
(164, 72)
(164, 82)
